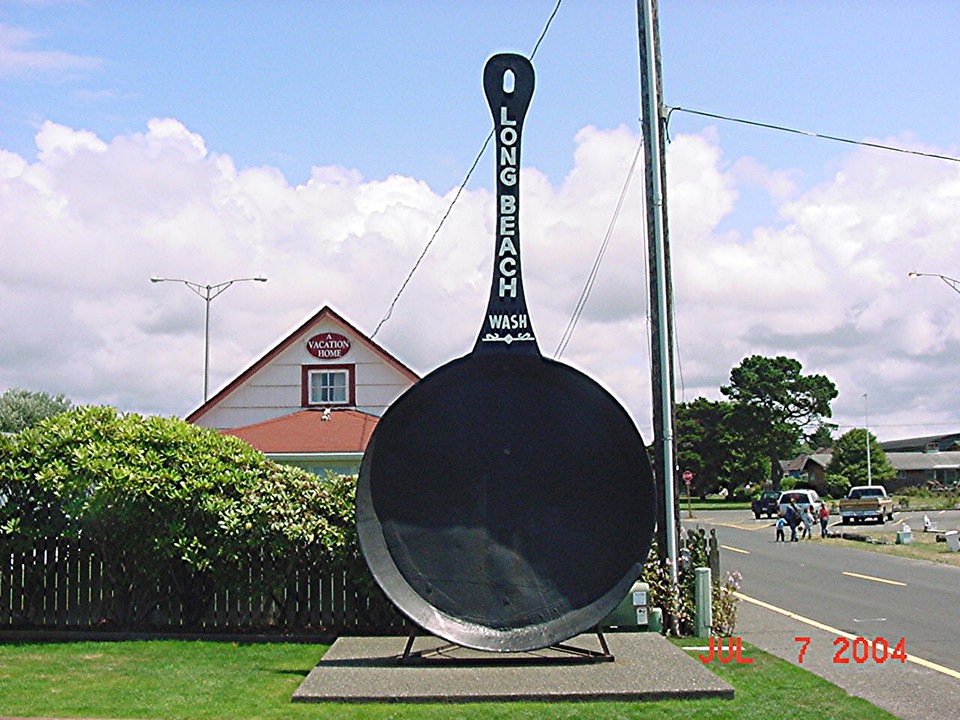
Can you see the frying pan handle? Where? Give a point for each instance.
(508, 82)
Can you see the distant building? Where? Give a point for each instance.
(920, 468)
(918, 461)
(313, 399)
(811, 467)
(928, 443)
(926, 459)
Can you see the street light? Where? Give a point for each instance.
(953, 283)
(208, 293)
(866, 422)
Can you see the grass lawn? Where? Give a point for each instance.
(923, 547)
(710, 504)
(188, 679)
(912, 503)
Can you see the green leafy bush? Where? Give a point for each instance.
(172, 510)
(788, 482)
(682, 605)
(837, 486)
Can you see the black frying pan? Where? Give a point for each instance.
(506, 502)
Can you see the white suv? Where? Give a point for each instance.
(803, 498)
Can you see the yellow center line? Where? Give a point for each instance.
(735, 525)
(736, 550)
(875, 579)
(821, 626)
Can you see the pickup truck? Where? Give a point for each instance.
(767, 504)
(866, 501)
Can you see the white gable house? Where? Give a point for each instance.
(314, 398)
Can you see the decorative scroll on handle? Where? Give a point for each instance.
(508, 81)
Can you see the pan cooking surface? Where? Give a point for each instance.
(518, 493)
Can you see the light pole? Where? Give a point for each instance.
(208, 293)
(953, 283)
(866, 421)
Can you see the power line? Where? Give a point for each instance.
(822, 136)
(453, 202)
(546, 27)
(588, 286)
(432, 238)
(901, 425)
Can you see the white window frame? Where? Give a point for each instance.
(328, 387)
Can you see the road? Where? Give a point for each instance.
(863, 593)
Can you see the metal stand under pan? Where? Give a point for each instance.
(453, 654)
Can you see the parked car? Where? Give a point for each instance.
(803, 497)
(767, 504)
(866, 502)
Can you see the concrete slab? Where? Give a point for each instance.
(646, 667)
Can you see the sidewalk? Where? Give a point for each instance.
(907, 690)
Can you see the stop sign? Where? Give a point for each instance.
(687, 476)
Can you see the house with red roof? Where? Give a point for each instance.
(314, 398)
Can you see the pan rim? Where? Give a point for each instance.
(464, 632)
(467, 632)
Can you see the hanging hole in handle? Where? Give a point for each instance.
(509, 81)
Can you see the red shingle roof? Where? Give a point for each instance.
(307, 432)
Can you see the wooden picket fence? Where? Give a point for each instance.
(60, 584)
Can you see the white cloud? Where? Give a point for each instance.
(780, 185)
(19, 59)
(53, 139)
(85, 225)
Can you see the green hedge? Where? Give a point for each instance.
(172, 509)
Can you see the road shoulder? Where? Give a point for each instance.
(908, 690)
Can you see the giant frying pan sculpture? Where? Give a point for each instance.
(506, 501)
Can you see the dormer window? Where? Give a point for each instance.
(325, 385)
(328, 386)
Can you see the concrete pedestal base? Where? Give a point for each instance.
(646, 667)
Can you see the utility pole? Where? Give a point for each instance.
(661, 310)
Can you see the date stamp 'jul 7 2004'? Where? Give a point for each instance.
(860, 650)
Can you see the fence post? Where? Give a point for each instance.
(714, 555)
(702, 595)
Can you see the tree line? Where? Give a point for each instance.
(772, 411)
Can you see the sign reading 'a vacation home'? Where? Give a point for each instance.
(328, 346)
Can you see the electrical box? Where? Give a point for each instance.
(632, 613)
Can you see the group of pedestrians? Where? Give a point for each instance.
(802, 520)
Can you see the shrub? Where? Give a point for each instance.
(173, 510)
(683, 605)
(724, 605)
(21, 409)
(788, 482)
(837, 486)
(915, 491)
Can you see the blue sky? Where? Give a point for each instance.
(783, 244)
(389, 87)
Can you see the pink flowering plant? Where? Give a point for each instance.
(681, 605)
